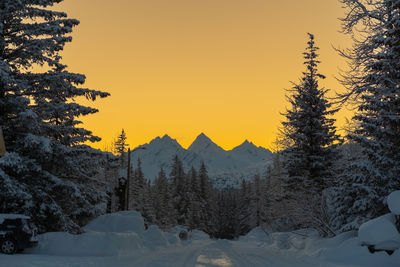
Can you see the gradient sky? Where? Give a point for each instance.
(183, 67)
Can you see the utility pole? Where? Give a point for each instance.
(2, 144)
(128, 175)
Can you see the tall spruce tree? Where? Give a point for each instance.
(245, 210)
(47, 163)
(121, 146)
(310, 131)
(206, 199)
(350, 201)
(179, 195)
(195, 221)
(137, 189)
(162, 201)
(310, 135)
(373, 84)
(226, 213)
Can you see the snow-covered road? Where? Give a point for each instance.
(221, 253)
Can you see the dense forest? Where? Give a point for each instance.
(318, 179)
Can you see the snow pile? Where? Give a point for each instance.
(280, 240)
(316, 246)
(115, 234)
(257, 235)
(346, 248)
(393, 201)
(299, 239)
(173, 239)
(176, 230)
(89, 244)
(154, 238)
(199, 235)
(306, 241)
(348, 252)
(379, 230)
(119, 222)
(342, 250)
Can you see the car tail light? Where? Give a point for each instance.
(27, 230)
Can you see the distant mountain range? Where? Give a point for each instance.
(225, 168)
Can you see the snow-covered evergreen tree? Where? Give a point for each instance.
(349, 200)
(140, 196)
(310, 135)
(206, 199)
(245, 210)
(311, 132)
(120, 192)
(136, 188)
(148, 207)
(195, 221)
(179, 193)
(162, 201)
(226, 212)
(259, 199)
(120, 147)
(373, 83)
(39, 119)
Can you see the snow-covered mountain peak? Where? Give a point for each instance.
(202, 136)
(167, 138)
(225, 168)
(164, 141)
(203, 144)
(246, 145)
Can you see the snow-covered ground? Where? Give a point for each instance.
(120, 240)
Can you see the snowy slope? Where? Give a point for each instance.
(225, 168)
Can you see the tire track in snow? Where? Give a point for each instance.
(184, 255)
(255, 255)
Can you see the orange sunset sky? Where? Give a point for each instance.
(182, 67)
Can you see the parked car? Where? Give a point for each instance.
(380, 234)
(17, 232)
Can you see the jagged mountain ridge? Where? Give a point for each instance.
(225, 167)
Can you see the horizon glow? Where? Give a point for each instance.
(183, 67)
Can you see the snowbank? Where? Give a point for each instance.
(199, 235)
(319, 247)
(280, 240)
(341, 250)
(173, 239)
(88, 244)
(257, 234)
(115, 234)
(154, 238)
(393, 201)
(379, 230)
(347, 248)
(350, 253)
(119, 222)
(192, 234)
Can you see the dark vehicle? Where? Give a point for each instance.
(17, 232)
